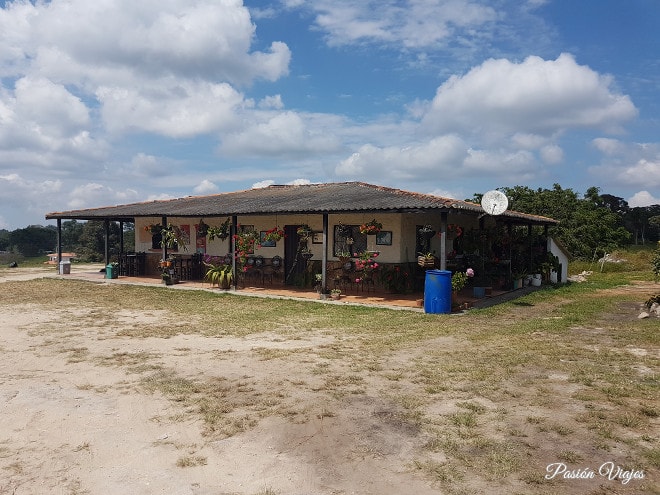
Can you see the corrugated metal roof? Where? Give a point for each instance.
(333, 197)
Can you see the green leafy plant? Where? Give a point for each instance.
(221, 232)
(218, 271)
(655, 263)
(172, 236)
(245, 243)
(274, 235)
(221, 275)
(304, 231)
(460, 279)
(371, 228)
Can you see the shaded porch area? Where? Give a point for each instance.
(374, 297)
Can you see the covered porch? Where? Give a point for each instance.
(326, 240)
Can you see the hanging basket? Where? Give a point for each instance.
(202, 228)
(371, 228)
(304, 232)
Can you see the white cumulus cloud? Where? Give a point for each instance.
(501, 97)
(643, 198)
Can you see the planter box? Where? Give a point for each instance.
(425, 262)
(479, 292)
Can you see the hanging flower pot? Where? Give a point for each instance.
(221, 232)
(202, 228)
(371, 228)
(304, 231)
(274, 235)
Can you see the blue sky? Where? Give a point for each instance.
(117, 101)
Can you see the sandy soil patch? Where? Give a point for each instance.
(90, 405)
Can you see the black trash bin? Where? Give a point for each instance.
(437, 291)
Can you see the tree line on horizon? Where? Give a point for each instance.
(590, 225)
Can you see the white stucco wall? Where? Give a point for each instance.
(402, 226)
(558, 251)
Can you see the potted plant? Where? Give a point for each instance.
(549, 265)
(306, 253)
(245, 243)
(167, 278)
(518, 279)
(366, 263)
(371, 228)
(344, 256)
(426, 260)
(274, 235)
(304, 231)
(324, 292)
(460, 279)
(202, 228)
(222, 275)
(172, 235)
(335, 294)
(221, 232)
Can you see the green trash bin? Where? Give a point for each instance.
(111, 271)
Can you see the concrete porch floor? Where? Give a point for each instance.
(374, 297)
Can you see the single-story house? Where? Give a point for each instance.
(453, 233)
(55, 258)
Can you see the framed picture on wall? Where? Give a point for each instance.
(317, 238)
(384, 238)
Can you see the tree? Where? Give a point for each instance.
(637, 221)
(4, 240)
(587, 226)
(91, 243)
(71, 232)
(33, 240)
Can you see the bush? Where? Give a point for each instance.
(655, 263)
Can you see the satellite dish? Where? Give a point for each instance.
(494, 202)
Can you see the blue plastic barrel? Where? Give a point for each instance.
(437, 291)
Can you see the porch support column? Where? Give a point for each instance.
(443, 241)
(530, 245)
(121, 238)
(163, 245)
(232, 245)
(106, 228)
(509, 231)
(59, 242)
(324, 257)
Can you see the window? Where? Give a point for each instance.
(348, 241)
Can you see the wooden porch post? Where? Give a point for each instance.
(59, 242)
(324, 257)
(443, 241)
(232, 244)
(106, 225)
(163, 245)
(121, 238)
(529, 242)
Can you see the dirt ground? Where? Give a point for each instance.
(77, 416)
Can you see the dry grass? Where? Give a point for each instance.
(490, 398)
